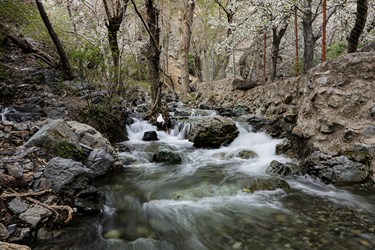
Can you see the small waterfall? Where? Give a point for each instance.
(4, 112)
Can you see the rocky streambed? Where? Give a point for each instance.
(228, 186)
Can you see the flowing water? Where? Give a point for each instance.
(201, 203)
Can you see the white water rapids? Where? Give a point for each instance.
(200, 204)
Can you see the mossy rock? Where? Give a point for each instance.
(247, 154)
(259, 184)
(69, 151)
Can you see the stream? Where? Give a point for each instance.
(201, 203)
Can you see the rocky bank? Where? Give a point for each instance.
(327, 116)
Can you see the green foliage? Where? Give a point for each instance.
(16, 12)
(4, 72)
(86, 59)
(106, 117)
(69, 151)
(133, 68)
(336, 49)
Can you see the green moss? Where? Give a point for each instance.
(69, 151)
(336, 49)
(107, 117)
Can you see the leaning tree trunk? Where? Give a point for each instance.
(276, 39)
(359, 25)
(65, 65)
(309, 41)
(186, 23)
(154, 55)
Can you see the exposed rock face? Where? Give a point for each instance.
(213, 132)
(337, 170)
(331, 109)
(68, 176)
(335, 113)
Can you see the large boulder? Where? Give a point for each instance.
(213, 132)
(99, 161)
(338, 170)
(68, 176)
(69, 139)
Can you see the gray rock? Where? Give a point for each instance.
(67, 176)
(213, 132)
(4, 234)
(99, 161)
(167, 156)
(370, 130)
(338, 170)
(259, 184)
(51, 134)
(44, 234)
(67, 138)
(150, 136)
(91, 137)
(17, 205)
(247, 154)
(34, 215)
(15, 170)
(288, 169)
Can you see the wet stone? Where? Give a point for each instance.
(18, 206)
(150, 136)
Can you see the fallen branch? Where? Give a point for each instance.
(27, 47)
(52, 208)
(12, 194)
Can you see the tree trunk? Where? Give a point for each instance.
(276, 39)
(154, 55)
(65, 65)
(309, 41)
(115, 17)
(186, 23)
(27, 47)
(324, 38)
(359, 25)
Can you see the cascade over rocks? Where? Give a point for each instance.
(331, 109)
(213, 132)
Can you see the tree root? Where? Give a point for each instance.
(52, 208)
